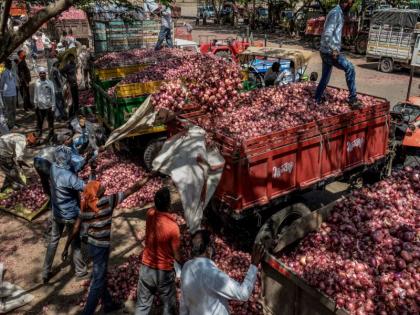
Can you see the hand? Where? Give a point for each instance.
(65, 255)
(257, 254)
(200, 159)
(335, 54)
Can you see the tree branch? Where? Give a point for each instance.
(5, 15)
(12, 40)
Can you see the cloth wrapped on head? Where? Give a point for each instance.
(62, 156)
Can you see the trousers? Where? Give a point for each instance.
(56, 232)
(160, 282)
(328, 62)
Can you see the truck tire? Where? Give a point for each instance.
(151, 151)
(273, 227)
(386, 65)
(316, 42)
(361, 44)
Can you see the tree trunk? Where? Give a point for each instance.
(10, 40)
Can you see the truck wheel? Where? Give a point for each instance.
(151, 151)
(386, 65)
(316, 42)
(361, 45)
(274, 226)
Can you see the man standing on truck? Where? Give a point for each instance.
(331, 56)
(165, 28)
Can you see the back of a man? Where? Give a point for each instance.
(65, 188)
(157, 275)
(205, 289)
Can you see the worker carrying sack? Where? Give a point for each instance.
(192, 167)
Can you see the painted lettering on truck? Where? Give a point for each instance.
(356, 143)
(284, 168)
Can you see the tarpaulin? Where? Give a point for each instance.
(144, 117)
(196, 179)
(396, 17)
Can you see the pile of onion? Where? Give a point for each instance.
(366, 256)
(138, 56)
(123, 278)
(117, 173)
(31, 197)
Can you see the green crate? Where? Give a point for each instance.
(105, 85)
(122, 108)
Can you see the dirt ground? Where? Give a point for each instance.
(22, 244)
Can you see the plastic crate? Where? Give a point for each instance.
(120, 72)
(138, 89)
(122, 109)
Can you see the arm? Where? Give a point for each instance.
(176, 244)
(36, 92)
(213, 168)
(53, 95)
(221, 284)
(2, 82)
(135, 187)
(70, 238)
(76, 183)
(331, 23)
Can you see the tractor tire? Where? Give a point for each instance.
(361, 44)
(316, 42)
(151, 151)
(274, 226)
(386, 65)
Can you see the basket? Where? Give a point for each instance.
(120, 72)
(138, 89)
(122, 109)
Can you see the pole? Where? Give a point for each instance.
(409, 83)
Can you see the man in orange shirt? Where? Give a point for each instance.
(157, 275)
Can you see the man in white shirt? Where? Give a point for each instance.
(205, 289)
(165, 28)
(44, 101)
(8, 91)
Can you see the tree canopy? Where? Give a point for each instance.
(10, 40)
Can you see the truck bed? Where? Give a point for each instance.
(264, 168)
(283, 292)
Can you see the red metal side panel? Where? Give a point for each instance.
(308, 170)
(332, 150)
(377, 139)
(354, 146)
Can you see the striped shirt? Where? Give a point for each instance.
(96, 227)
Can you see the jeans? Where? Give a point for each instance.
(59, 104)
(41, 115)
(24, 91)
(165, 33)
(10, 107)
(98, 287)
(42, 167)
(56, 232)
(151, 282)
(74, 109)
(328, 62)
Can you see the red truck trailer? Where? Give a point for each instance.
(269, 170)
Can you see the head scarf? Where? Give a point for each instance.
(90, 196)
(42, 69)
(62, 156)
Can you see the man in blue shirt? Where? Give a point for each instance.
(8, 90)
(331, 56)
(65, 188)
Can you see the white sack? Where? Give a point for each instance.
(143, 117)
(194, 180)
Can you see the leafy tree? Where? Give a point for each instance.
(11, 40)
